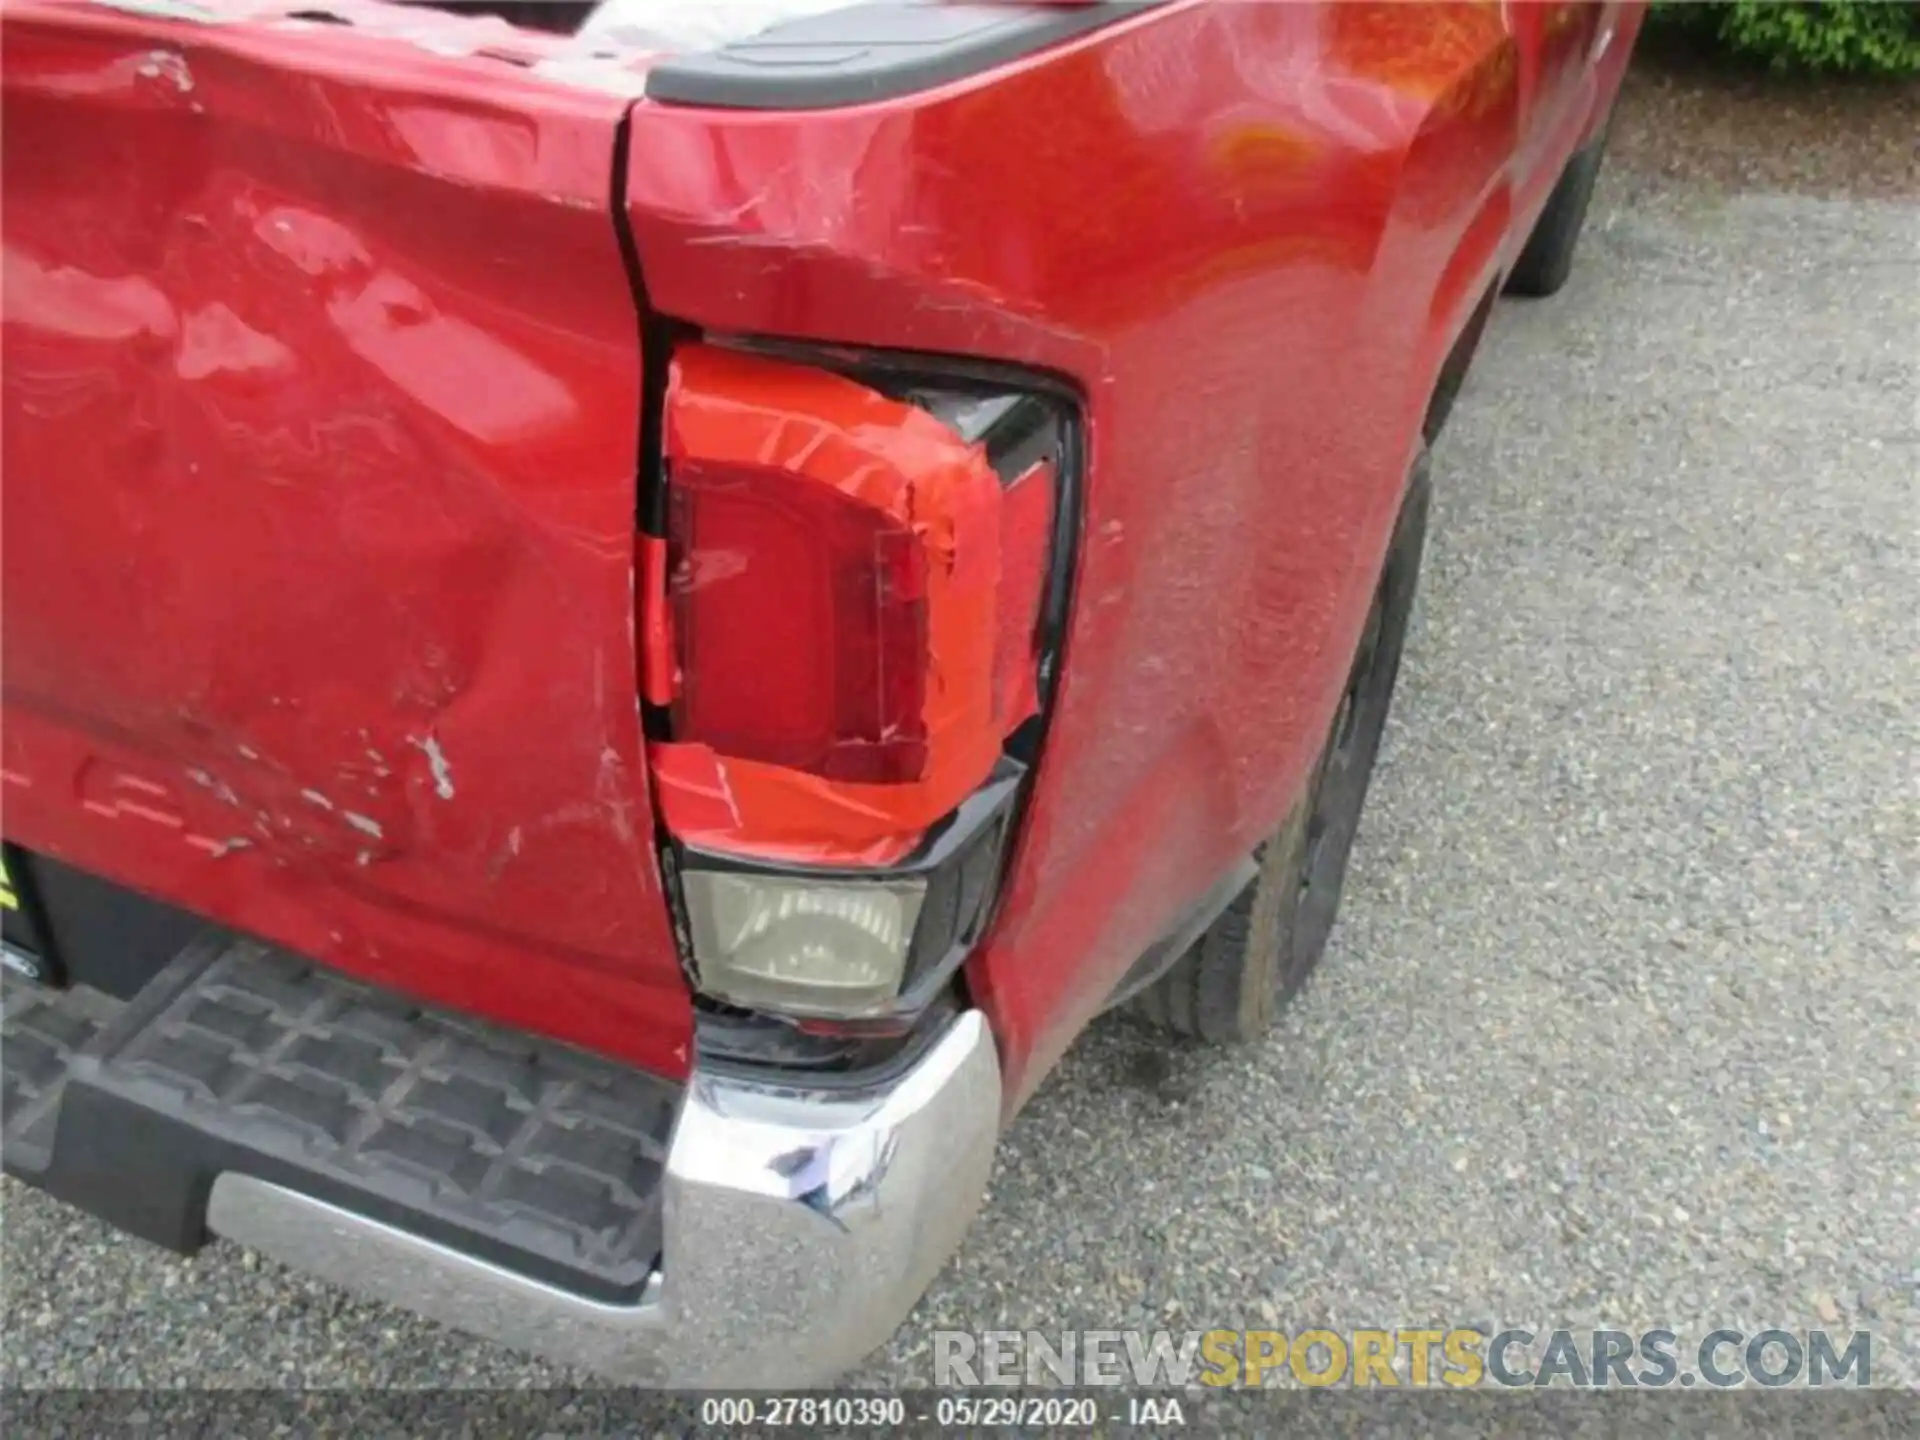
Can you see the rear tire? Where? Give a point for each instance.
(1547, 261)
(1232, 982)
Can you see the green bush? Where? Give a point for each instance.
(1874, 37)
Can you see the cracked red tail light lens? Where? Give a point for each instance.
(840, 632)
(800, 623)
(838, 617)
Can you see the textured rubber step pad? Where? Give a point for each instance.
(41, 1031)
(525, 1152)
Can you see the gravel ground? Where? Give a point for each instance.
(1620, 1022)
(1692, 117)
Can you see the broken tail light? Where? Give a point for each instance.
(842, 641)
(785, 589)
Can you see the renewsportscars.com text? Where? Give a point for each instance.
(1416, 1357)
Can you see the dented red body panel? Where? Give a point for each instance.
(322, 396)
(1249, 234)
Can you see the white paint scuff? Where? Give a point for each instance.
(436, 762)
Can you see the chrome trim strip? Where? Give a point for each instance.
(801, 1225)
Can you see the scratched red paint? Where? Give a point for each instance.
(322, 414)
(327, 383)
(1229, 225)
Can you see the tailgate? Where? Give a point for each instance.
(322, 386)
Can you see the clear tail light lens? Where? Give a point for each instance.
(798, 946)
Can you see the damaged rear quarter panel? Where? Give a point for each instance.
(1247, 234)
(321, 392)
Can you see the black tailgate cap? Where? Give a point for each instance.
(873, 51)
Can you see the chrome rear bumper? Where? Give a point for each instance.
(801, 1225)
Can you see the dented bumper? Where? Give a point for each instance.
(800, 1228)
(745, 1229)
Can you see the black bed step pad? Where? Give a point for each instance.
(237, 1057)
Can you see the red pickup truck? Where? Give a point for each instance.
(621, 619)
